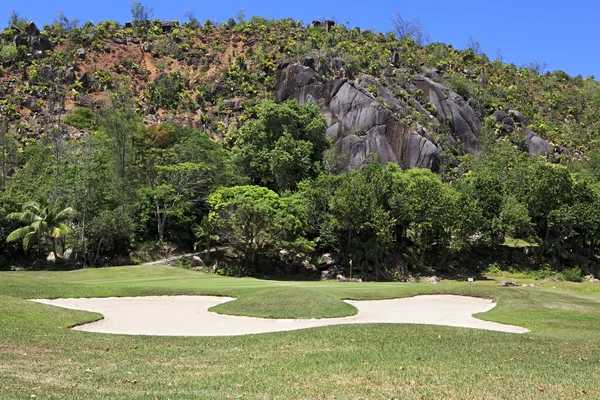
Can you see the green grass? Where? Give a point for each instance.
(41, 356)
(511, 242)
(287, 302)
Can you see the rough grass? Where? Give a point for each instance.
(40, 356)
(287, 302)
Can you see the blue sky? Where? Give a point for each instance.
(564, 35)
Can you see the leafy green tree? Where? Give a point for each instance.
(257, 221)
(43, 221)
(361, 217)
(283, 146)
(180, 168)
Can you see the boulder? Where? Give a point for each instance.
(536, 145)
(434, 280)
(316, 23)
(326, 260)
(80, 53)
(51, 258)
(33, 39)
(309, 62)
(69, 254)
(48, 73)
(32, 29)
(128, 24)
(20, 40)
(197, 261)
(507, 283)
(135, 40)
(30, 102)
(147, 48)
(395, 59)
(70, 75)
(358, 124)
(85, 80)
(168, 26)
(107, 48)
(499, 116)
(233, 104)
(119, 40)
(328, 25)
(591, 278)
(337, 65)
(518, 117)
(332, 272)
(342, 278)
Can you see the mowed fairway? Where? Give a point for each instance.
(40, 356)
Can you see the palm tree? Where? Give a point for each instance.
(45, 219)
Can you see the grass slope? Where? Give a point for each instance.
(287, 302)
(40, 356)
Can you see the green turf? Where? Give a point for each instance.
(287, 302)
(40, 356)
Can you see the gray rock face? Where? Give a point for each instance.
(464, 124)
(359, 125)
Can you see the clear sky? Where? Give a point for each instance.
(564, 35)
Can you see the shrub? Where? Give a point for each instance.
(8, 54)
(81, 117)
(572, 274)
(167, 90)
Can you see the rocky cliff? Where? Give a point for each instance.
(365, 117)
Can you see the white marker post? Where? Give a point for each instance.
(470, 280)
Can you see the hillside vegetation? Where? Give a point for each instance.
(300, 148)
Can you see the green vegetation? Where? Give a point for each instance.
(44, 222)
(283, 146)
(180, 147)
(287, 302)
(47, 359)
(81, 117)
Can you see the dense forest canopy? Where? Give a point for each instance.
(271, 139)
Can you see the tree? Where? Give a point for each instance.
(42, 220)
(257, 221)
(284, 146)
(180, 167)
(63, 23)
(409, 29)
(140, 12)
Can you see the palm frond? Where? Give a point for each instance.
(26, 217)
(18, 234)
(59, 231)
(65, 215)
(30, 239)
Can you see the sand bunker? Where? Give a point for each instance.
(189, 315)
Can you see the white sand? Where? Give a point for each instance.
(189, 315)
